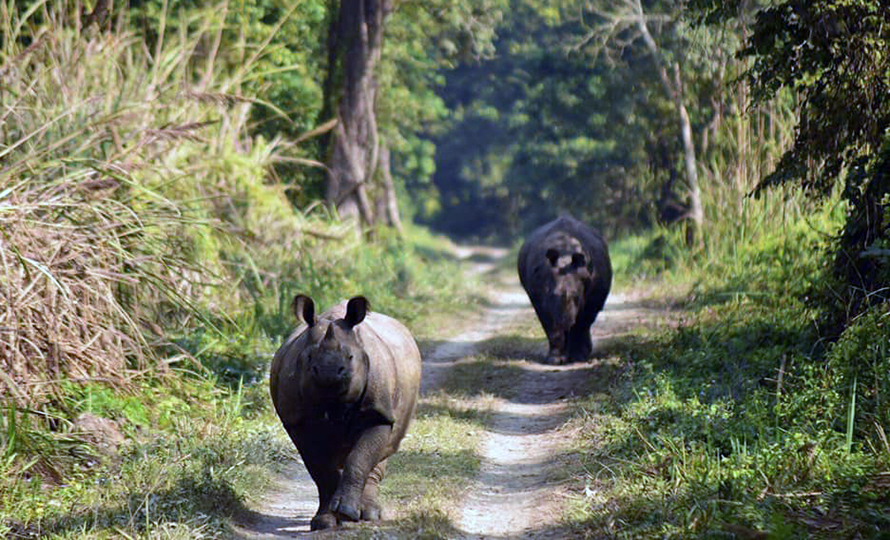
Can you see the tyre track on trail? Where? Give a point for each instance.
(515, 494)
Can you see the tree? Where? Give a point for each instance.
(425, 39)
(833, 54)
(547, 126)
(378, 120)
(355, 45)
(620, 25)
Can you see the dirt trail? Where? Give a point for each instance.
(512, 494)
(517, 493)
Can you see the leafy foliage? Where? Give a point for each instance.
(158, 186)
(532, 130)
(833, 55)
(568, 117)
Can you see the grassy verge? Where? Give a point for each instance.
(185, 454)
(742, 422)
(187, 446)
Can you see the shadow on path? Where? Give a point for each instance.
(286, 509)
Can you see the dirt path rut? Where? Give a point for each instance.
(513, 494)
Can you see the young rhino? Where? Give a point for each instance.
(565, 269)
(345, 387)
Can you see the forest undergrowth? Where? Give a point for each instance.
(149, 252)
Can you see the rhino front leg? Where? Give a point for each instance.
(557, 339)
(324, 473)
(365, 455)
(371, 510)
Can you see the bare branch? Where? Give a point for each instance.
(618, 27)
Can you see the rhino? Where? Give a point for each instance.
(345, 386)
(564, 268)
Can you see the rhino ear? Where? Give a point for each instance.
(356, 309)
(578, 260)
(304, 309)
(552, 256)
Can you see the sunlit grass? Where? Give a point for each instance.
(147, 264)
(154, 483)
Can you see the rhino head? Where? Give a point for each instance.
(569, 277)
(334, 365)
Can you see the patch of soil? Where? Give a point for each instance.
(285, 510)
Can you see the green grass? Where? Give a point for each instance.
(147, 264)
(743, 422)
(204, 431)
(191, 451)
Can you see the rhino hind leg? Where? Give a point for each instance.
(371, 509)
(579, 342)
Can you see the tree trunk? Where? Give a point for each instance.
(387, 203)
(354, 148)
(674, 89)
(695, 209)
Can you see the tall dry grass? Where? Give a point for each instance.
(127, 183)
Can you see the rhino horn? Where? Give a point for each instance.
(329, 341)
(329, 335)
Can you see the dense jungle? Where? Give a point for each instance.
(173, 173)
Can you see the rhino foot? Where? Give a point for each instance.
(350, 512)
(371, 511)
(323, 521)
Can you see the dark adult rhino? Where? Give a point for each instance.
(345, 386)
(565, 269)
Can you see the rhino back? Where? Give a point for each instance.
(532, 258)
